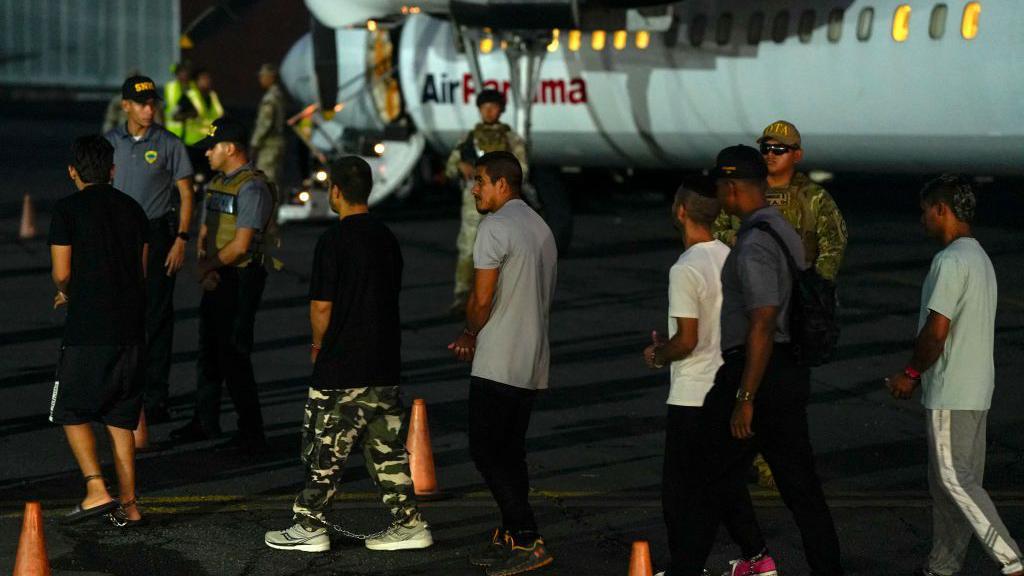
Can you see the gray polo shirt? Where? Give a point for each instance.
(148, 168)
(512, 348)
(756, 275)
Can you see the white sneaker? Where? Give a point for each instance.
(299, 538)
(402, 537)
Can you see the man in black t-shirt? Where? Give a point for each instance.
(356, 355)
(98, 244)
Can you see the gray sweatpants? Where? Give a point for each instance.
(956, 467)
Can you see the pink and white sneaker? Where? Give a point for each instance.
(763, 565)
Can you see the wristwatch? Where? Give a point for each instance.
(744, 396)
(184, 236)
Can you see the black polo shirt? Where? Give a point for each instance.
(358, 267)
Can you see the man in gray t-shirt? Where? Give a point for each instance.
(953, 363)
(506, 338)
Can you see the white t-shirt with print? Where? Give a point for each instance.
(695, 291)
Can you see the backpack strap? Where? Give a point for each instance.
(793, 270)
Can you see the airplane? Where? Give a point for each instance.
(873, 85)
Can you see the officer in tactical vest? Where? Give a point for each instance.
(233, 263)
(806, 205)
(174, 97)
(489, 135)
(268, 144)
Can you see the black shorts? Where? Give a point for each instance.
(98, 384)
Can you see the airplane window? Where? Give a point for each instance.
(575, 37)
(698, 27)
(937, 26)
(864, 21)
(901, 23)
(597, 39)
(969, 26)
(643, 39)
(755, 28)
(619, 39)
(835, 25)
(780, 27)
(806, 26)
(553, 45)
(486, 45)
(724, 31)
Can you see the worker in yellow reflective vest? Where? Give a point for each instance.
(207, 106)
(174, 93)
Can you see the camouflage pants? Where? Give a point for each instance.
(464, 243)
(333, 423)
(269, 160)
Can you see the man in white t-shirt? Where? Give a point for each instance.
(953, 362)
(694, 351)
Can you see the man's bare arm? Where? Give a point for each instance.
(60, 269)
(176, 255)
(478, 311)
(319, 318)
(931, 341)
(481, 299)
(760, 343)
(230, 254)
(681, 344)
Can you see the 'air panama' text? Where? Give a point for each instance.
(550, 91)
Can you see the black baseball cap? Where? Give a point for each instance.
(139, 89)
(741, 163)
(224, 129)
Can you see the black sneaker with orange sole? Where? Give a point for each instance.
(491, 553)
(521, 558)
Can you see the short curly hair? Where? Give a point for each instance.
(954, 191)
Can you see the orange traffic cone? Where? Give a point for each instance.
(28, 219)
(421, 456)
(142, 433)
(31, 557)
(640, 560)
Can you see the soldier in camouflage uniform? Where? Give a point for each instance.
(267, 145)
(807, 206)
(490, 135)
(356, 355)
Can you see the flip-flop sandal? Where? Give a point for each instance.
(79, 514)
(120, 520)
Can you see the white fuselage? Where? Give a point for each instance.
(922, 105)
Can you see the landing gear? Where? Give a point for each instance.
(525, 50)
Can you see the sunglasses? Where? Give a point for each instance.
(776, 149)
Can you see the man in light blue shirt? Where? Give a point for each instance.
(953, 363)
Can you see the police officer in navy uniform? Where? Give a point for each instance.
(232, 266)
(152, 164)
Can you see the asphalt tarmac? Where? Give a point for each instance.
(596, 438)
